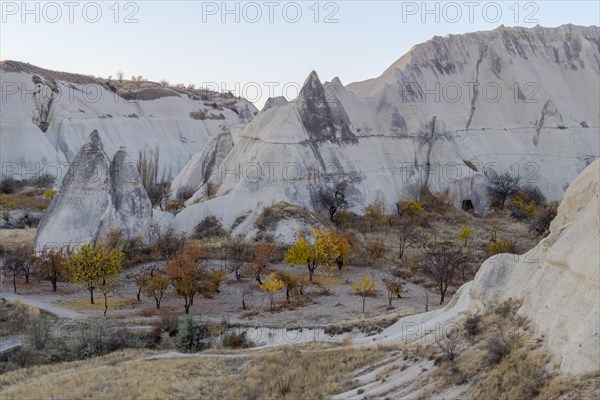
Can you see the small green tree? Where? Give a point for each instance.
(94, 266)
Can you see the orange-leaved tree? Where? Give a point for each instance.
(184, 272)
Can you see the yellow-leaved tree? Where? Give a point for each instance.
(322, 251)
(365, 287)
(343, 241)
(93, 266)
(272, 285)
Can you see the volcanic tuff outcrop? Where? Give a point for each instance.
(96, 197)
(557, 284)
(449, 114)
(559, 279)
(46, 117)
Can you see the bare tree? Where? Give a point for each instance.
(157, 187)
(169, 242)
(449, 343)
(238, 255)
(333, 199)
(503, 186)
(120, 75)
(441, 262)
(13, 265)
(407, 237)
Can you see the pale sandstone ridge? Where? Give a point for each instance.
(384, 136)
(558, 280)
(96, 196)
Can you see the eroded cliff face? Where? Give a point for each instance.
(96, 197)
(447, 114)
(558, 281)
(47, 115)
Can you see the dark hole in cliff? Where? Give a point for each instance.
(467, 205)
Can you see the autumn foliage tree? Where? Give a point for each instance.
(323, 251)
(365, 287)
(184, 273)
(343, 241)
(156, 287)
(261, 259)
(394, 287)
(271, 286)
(53, 264)
(93, 266)
(291, 283)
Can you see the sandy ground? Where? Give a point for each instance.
(331, 302)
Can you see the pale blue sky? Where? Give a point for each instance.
(187, 41)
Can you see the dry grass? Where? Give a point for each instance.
(17, 237)
(14, 317)
(313, 371)
(114, 303)
(23, 202)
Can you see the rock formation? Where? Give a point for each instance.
(44, 128)
(558, 280)
(96, 197)
(449, 114)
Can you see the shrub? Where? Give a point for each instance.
(187, 339)
(411, 208)
(209, 227)
(501, 246)
(185, 192)
(8, 185)
(236, 340)
(471, 326)
(541, 223)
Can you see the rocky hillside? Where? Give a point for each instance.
(449, 113)
(559, 279)
(46, 117)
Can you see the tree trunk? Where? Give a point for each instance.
(91, 296)
(138, 294)
(364, 298)
(443, 294)
(105, 304)
(157, 300)
(311, 272)
(390, 300)
(15, 282)
(257, 276)
(287, 294)
(187, 306)
(26, 277)
(54, 286)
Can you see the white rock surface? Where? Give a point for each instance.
(80, 104)
(558, 280)
(96, 197)
(381, 138)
